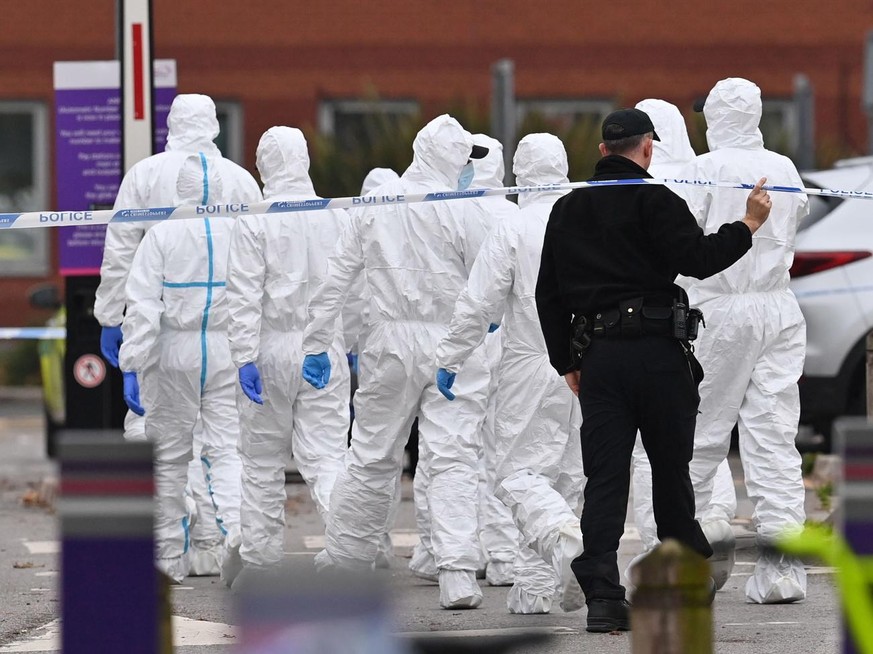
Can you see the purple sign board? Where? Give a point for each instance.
(88, 149)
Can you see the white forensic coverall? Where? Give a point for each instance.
(354, 322)
(175, 323)
(416, 258)
(192, 127)
(753, 347)
(671, 154)
(539, 457)
(276, 262)
(498, 535)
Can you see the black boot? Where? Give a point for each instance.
(605, 615)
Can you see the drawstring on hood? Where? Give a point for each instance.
(192, 125)
(282, 159)
(733, 114)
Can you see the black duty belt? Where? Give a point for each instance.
(631, 319)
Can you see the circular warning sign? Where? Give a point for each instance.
(89, 370)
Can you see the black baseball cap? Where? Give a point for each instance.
(479, 152)
(625, 123)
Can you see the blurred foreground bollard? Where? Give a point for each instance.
(855, 439)
(109, 585)
(671, 612)
(294, 610)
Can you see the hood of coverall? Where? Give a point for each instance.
(539, 159)
(199, 181)
(733, 113)
(376, 177)
(674, 146)
(489, 171)
(439, 152)
(283, 161)
(192, 124)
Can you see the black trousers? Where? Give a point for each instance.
(627, 385)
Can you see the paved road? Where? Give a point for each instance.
(205, 609)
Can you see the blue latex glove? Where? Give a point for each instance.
(445, 379)
(316, 369)
(250, 380)
(131, 393)
(493, 328)
(110, 343)
(353, 361)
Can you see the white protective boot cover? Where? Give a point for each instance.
(459, 589)
(500, 573)
(568, 547)
(536, 584)
(778, 579)
(422, 564)
(205, 562)
(721, 538)
(176, 568)
(231, 561)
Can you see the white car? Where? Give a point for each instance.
(832, 277)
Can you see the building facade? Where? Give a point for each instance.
(325, 66)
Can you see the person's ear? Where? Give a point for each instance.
(648, 147)
(603, 151)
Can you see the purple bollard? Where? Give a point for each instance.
(109, 585)
(855, 437)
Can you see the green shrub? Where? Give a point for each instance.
(19, 364)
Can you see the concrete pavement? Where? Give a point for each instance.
(29, 578)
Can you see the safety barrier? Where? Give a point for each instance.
(37, 219)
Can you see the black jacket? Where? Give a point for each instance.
(606, 245)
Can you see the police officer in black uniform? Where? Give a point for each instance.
(616, 326)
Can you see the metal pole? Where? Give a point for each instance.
(804, 102)
(870, 375)
(867, 90)
(503, 113)
(137, 81)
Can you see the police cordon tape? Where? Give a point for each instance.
(34, 219)
(32, 333)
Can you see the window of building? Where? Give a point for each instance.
(23, 186)
(230, 124)
(560, 115)
(362, 123)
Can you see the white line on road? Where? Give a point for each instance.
(399, 538)
(478, 633)
(47, 573)
(756, 624)
(43, 546)
(49, 640)
(186, 633)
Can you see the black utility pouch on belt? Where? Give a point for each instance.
(695, 319)
(581, 339)
(631, 317)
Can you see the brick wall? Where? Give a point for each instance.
(280, 58)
